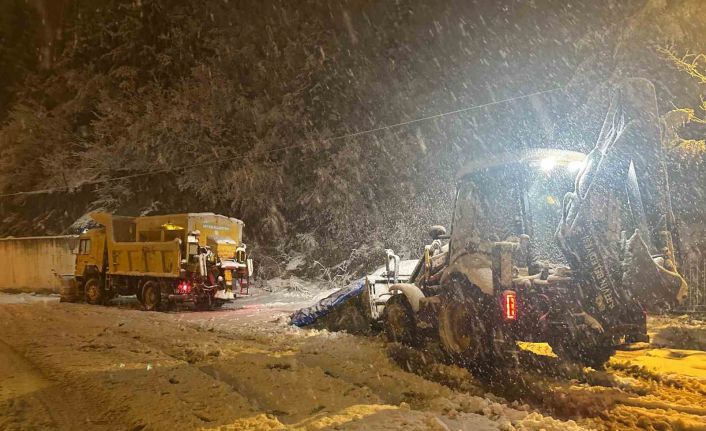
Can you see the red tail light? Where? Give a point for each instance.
(184, 287)
(509, 302)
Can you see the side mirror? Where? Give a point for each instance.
(72, 244)
(437, 232)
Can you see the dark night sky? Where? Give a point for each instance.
(316, 68)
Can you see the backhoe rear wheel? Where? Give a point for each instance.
(398, 321)
(151, 295)
(462, 332)
(93, 291)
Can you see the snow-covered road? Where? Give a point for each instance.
(75, 366)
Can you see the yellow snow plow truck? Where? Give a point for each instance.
(163, 259)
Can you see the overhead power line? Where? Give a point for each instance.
(288, 147)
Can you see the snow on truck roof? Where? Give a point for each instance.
(37, 238)
(525, 157)
(102, 215)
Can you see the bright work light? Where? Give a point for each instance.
(547, 164)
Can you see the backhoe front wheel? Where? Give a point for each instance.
(93, 291)
(398, 321)
(150, 296)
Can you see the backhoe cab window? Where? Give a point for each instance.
(487, 209)
(84, 246)
(544, 194)
(509, 200)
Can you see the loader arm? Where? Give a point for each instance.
(623, 187)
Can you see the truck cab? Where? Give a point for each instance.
(90, 254)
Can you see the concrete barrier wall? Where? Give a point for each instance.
(35, 264)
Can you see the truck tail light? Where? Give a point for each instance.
(509, 305)
(184, 287)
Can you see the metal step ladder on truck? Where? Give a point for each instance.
(194, 258)
(507, 274)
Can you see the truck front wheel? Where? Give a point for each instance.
(93, 291)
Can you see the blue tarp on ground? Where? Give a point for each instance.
(307, 316)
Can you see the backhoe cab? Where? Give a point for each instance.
(507, 279)
(500, 276)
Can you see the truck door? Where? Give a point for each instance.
(82, 254)
(89, 257)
